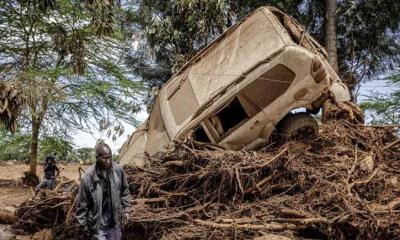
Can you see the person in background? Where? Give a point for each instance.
(103, 197)
(51, 172)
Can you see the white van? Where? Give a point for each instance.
(241, 88)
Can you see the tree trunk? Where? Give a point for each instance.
(34, 145)
(330, 32)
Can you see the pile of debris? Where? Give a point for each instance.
(49, 210)
(342, 185)
(11, 101)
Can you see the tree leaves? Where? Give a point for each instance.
(384, 108)
(11, 102)
(68, 60)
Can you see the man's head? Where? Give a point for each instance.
(50, 159)
(103, 156)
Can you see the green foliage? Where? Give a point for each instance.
(368, 38)
(86, 155)
(68, 57)
(243, 7)
(63, 148)
(17, 147)
(385, 108)
(46, 46)
(14, 147)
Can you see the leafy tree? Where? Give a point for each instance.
(16, 147)
(11, 102)
(368, 39)
(63, 148)
(86, 155)
(384, 108)
(66, 55)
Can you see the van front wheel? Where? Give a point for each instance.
(297, 126)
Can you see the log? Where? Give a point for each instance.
(150, 200)
(237, 220)
(265, 227)
(273, 237)
(301, 221)
(175, 164)
(288, 212)
(391, 144)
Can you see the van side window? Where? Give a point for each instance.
(232, 115)
(269, 86)
(250, 101)
(220, 124)
(200, 135)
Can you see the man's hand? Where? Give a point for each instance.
(125, 215)
(46, 166)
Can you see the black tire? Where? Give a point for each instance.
(297, 126)
(314, 111)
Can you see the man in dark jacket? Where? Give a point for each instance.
(49, 180)
(103, 197)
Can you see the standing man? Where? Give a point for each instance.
(103, 197)
(49, 180)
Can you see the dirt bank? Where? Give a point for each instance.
(13, 194)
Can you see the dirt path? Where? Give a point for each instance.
(16, 171)
(13, 194)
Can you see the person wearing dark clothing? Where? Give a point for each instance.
(103, 197)
(49, 180)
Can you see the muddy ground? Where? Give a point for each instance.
(13, 193)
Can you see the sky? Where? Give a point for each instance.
(83, 139)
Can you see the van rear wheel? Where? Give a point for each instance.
(297, 126)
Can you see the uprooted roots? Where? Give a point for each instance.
(341, 185)
(30, 179)
(50, 209)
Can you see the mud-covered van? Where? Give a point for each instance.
(241, 88)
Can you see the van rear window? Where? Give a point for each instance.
(183, 103)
